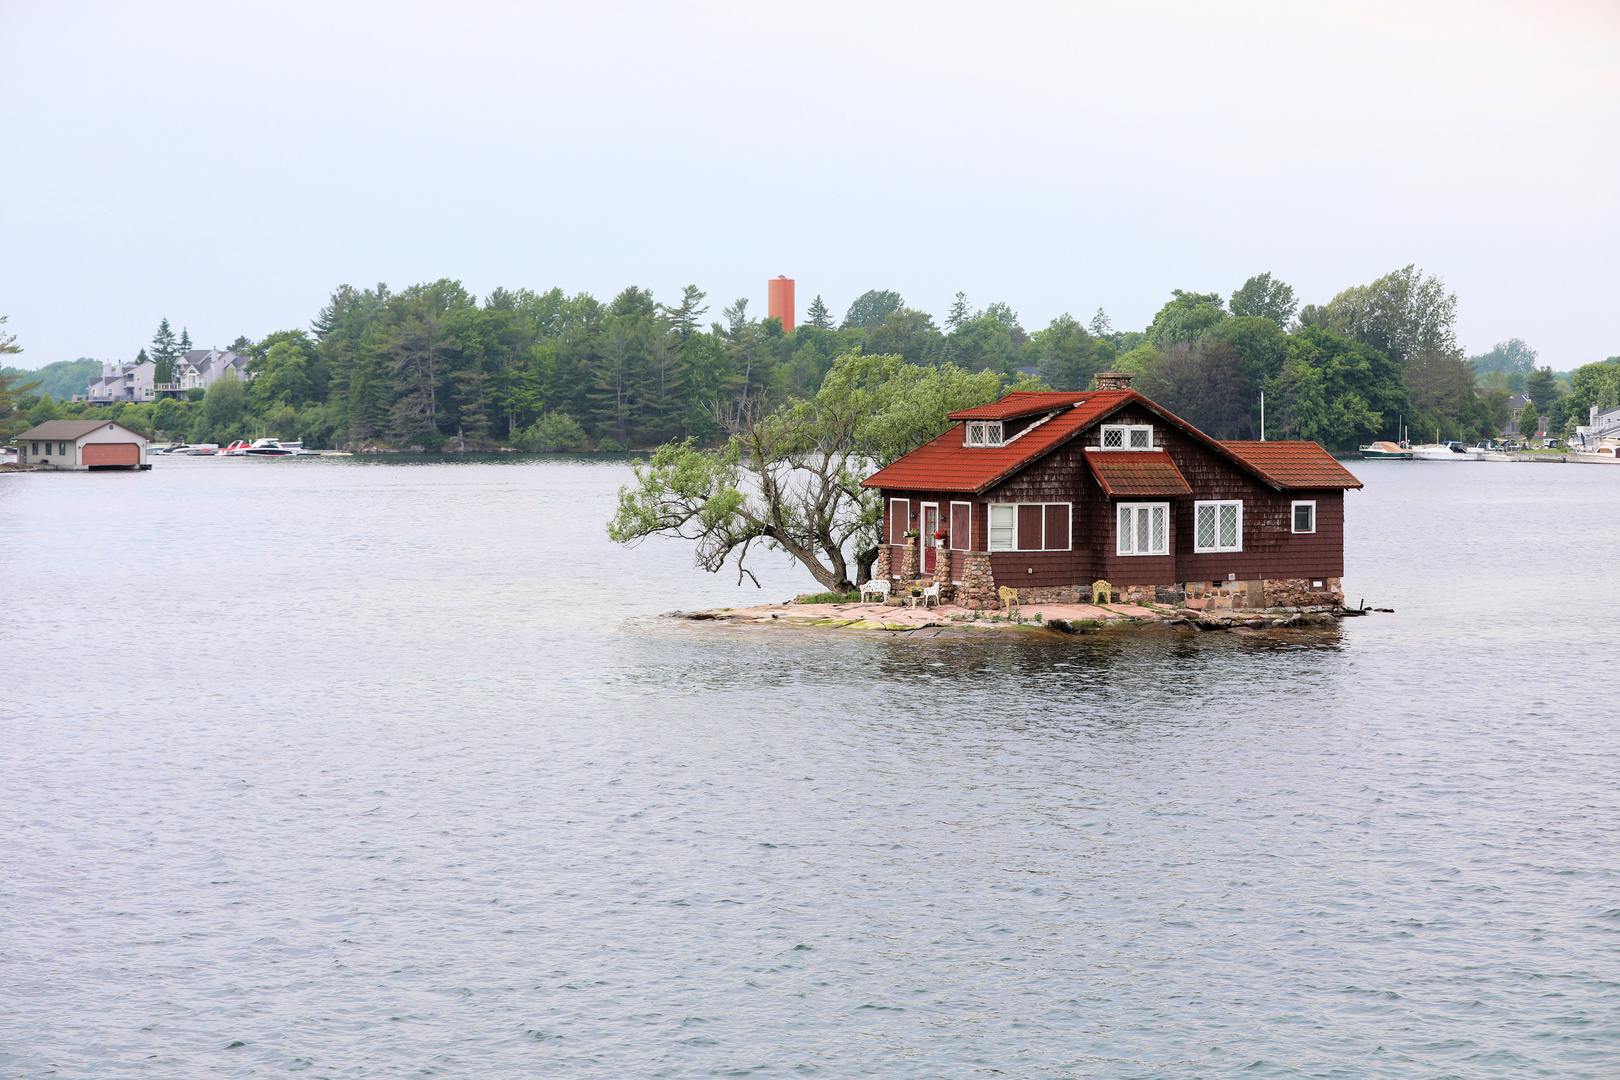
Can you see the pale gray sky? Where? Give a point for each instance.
(228, 165)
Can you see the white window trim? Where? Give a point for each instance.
(990, 540)
(1294, 521)
(1125, 437)
(1119, 534)
(1217, 504)
(967, 541)
(989, 434)
(1068, 541)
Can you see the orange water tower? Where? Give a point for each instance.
(780, 305)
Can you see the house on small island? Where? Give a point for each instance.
(81, 445)
(1048, 493)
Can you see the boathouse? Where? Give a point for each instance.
(80, 445)
(1050, 493)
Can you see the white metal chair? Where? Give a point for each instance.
(931, 593)
(878, 587)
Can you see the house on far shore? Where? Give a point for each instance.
(1048, 493)
(82, 445)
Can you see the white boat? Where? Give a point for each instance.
(1605, 453)
(1450, 451)
(198, 450)
(1487, 452)
(271, 448)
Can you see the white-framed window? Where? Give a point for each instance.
(899, 520)
(984, 433)
(1030, 526)
(1218, 526)
(1144, 529)
(1305, 516)
(1127, 437)
(1003, 527)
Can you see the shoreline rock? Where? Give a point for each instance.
(1056, 619)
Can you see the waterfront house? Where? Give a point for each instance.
(1049, 493)
(80, 445)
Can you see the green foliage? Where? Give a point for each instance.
(63, 379)
(1513, 358)
(1069, 355)
(829, 598)
(1334, 391)
(871, 308)
(1264, 297)
(166, 350)
(791, 478)
(223, 416)
(817, 315)
(1207, 384)
(282, 376)
(45, 409)
(12, 388)
(1402, 315)
(551, 433)
(1187, 317)
(1530, 420)
(8, 342)
(1542, 385)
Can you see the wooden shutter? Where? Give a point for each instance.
(1029, 527)
(961, 527)
(1057, 526)
(899, 520)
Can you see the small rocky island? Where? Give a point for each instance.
(900, 617)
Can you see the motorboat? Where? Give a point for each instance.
(1489, 452)
(1446, 451)
(271, 448)
(1606, 452)
(1390, 450)
(198, 450)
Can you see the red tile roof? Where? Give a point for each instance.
(945, 464)
(1293, 464)
(1019, 403)
(1137, 472)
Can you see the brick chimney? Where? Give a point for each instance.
(1113, 380)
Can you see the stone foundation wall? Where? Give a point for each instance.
(908, 562)
(942, 575)
(1303, 592)
(1270, 593)
(978, 581)
(880, 565)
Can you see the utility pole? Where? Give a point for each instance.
(1262, 416)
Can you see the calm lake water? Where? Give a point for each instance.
(355, 768)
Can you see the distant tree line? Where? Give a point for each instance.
(433, 366)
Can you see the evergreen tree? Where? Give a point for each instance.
(165, 351)
(185, 341)
(1530, 420)
(960, 313)
(818, 316)
(1101, 327)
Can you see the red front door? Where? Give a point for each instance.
(930, 526)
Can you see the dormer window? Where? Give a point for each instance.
(984, 433)
(1127, 437)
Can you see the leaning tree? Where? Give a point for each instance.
(790, 478)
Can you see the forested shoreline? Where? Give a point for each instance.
(432, 366)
